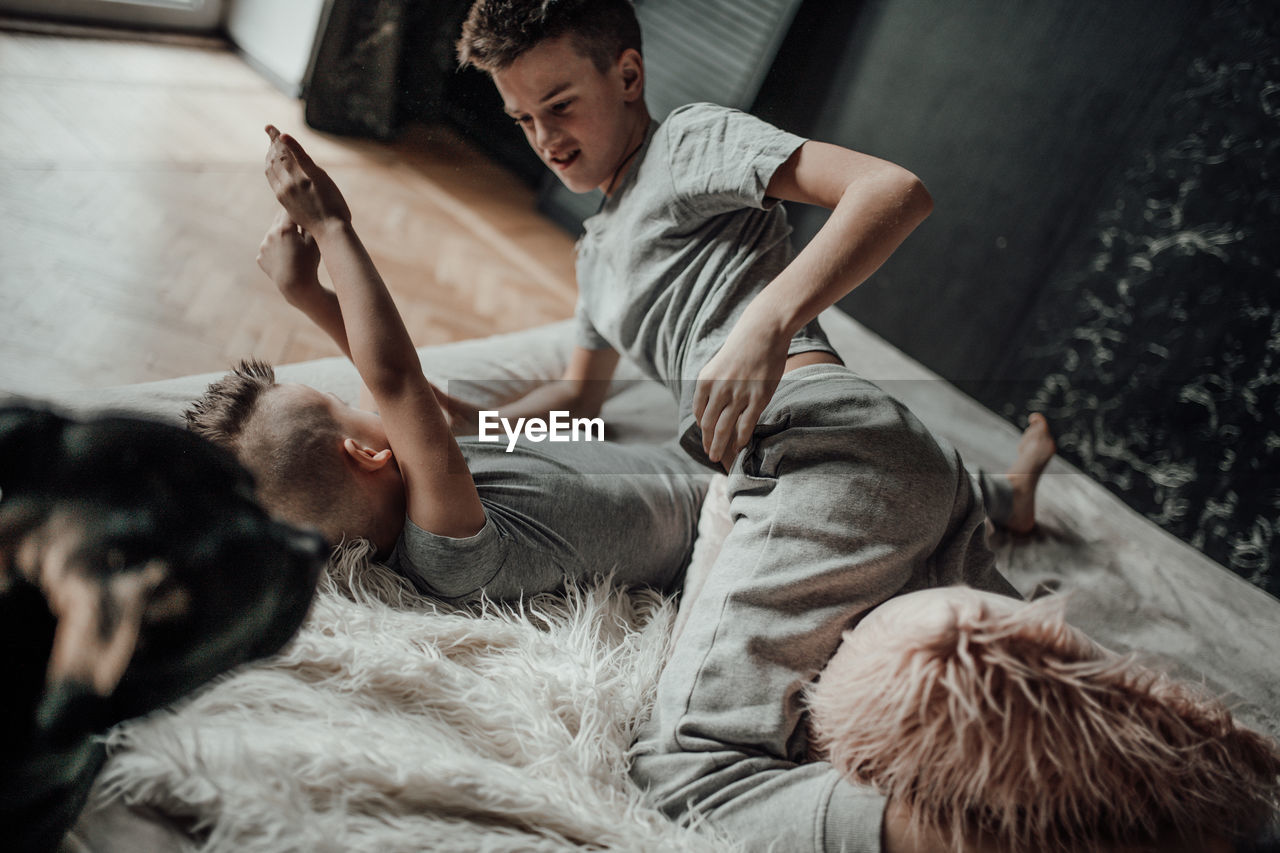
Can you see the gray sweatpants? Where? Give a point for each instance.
(842, 500)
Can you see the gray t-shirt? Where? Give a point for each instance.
(564, 511)
(688, 239)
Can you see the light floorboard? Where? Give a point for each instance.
(134, 202)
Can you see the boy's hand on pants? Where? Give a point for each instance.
(734, 387)
(306, 191)
(290, 258)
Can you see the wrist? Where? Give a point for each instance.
(764, 321)
(330, 229)
(300, 290)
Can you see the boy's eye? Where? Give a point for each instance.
(560, 106)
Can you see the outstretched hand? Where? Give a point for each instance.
(306, 191)
(290, 258)
(733, 389)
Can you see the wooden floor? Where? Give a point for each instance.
(134, 201)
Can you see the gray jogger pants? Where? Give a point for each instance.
(842, 500)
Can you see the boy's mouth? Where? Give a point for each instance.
(566, 161)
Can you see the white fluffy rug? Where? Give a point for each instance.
(393, 724)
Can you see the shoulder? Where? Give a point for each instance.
(701, 137)
(725, 123)
(701, 111)
(704, 119)
(719, 158)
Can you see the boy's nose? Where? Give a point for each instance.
(545, 136)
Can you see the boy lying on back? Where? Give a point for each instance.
(459, 519)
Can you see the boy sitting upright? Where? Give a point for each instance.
(459, 519)
(840, 497)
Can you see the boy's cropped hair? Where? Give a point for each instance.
(293, 453)
(497, 32)
(223, 410)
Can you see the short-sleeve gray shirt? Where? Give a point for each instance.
(688, 239)
(565, 511)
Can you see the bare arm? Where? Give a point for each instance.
(581, 391)
(440, 494)
(290, 258)
(874, 205)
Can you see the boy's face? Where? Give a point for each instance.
(581, 122)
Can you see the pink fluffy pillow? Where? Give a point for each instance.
(984, 714)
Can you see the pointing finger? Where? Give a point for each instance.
(296, 149)
(272, 132)
(278, 159)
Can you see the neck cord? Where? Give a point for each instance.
(617, 171)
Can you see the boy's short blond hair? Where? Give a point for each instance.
(497, 32)
(293, 450)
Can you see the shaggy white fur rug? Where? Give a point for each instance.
(394, 724)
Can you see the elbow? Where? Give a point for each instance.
(385, 380)
(916, 200)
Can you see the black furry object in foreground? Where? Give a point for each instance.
(135, 565)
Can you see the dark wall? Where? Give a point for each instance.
(1015, 114)
(1106, 240)
(1156, 340)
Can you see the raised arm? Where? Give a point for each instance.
(874, 206)
(440, 494)
(290, 258)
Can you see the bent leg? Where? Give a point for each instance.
(842, 501)
(997, 496)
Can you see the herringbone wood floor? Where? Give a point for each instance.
(134, 201)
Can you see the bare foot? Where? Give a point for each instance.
(1034, 452)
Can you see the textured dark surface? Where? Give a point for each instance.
(1017, 117)
(1159, 340)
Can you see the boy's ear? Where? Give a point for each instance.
(366, 457)
(631, 67)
